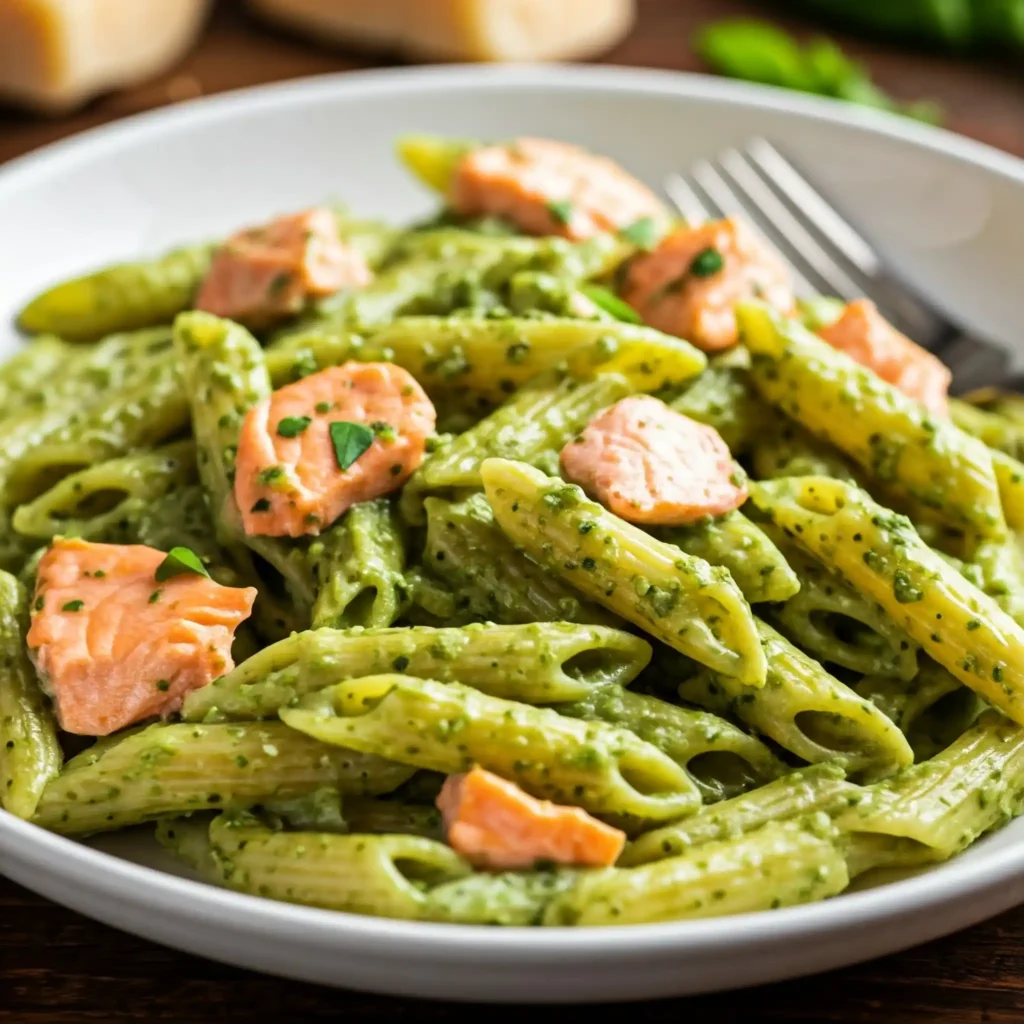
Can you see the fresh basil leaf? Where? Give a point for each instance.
(611, 304)
(350, 440)
(561, 211)
(178, 562)
(643, 233)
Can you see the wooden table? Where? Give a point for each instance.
(59, 968)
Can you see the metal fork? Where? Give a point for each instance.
(826, 253)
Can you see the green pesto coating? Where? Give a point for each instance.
(26, 376)
(821, 787)
(475, 363)
(517, 898)
(721, 759)
(933, 810)
(932, 709)
(784, 448)
(993, 428)
(225, 375)
(532, 427)
(677, 598)
(778, 865)
(359, 568)
(831, 620)
(362, 874)
(489, 577)
(147, 411)
(30, 754)
(124, 297)
(893, 437)
(91, 501)
(723, 398)
(177, 769)
(806, 711)
(541, 663)
(735, 543)
(89, 381)
(448, 727)
(881, 554)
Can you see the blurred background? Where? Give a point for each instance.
(67, 65)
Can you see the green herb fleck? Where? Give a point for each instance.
(350, 440)
(73, 606)
(400, 664)
(561, 211)
(611, 304)
(903, 588)
(155, 596)
(271, 474)
(323, 407)
(180, 560)
(707, 262)
(163, 685)
(292, 426)
(642, 233)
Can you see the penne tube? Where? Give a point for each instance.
(681, 600)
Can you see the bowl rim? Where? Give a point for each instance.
(197, 901)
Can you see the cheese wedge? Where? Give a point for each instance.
(475, 30)
(56, 54)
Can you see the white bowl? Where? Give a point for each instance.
(951, 213)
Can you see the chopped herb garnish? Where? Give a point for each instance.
(155, 596)
(178, 561)
(611, 304)
(322, 407)
(39, 603)
(73, 606)
(269, 475)
(350, 440)
(262, 505)
(517, 352)
(292, 426)
(707, 262)
(280, 282)
(400, 664)
(163, 685)
(642, 233)
(383, 430)
(561, 211)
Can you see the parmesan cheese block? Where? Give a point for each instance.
(56, 54)
(480, 30)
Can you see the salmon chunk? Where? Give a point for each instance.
(264, 273)
(650, 464)
(113, 645)
(551, 188)
(346, 434)
(494, 824)
(689, 284)
(865, 335)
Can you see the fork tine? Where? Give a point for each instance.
(803, 195)
(685, 200)
(724, 197)
(782, 221)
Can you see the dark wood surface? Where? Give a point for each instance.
(59, 968)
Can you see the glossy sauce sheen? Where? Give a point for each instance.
(114, 646)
